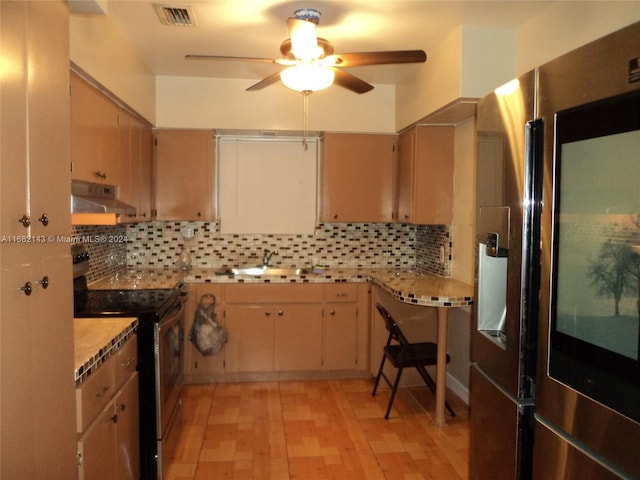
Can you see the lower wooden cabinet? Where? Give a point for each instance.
(283, 329)
(297, 337)
(340, 336)
(200, 368)
(108, 444)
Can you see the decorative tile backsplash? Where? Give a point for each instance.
(347, 245)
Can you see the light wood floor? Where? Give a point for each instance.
(324, 429)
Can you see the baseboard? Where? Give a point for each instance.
(458, 388)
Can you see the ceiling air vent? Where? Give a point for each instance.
(178, 16)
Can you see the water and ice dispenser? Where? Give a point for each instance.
(493, 252)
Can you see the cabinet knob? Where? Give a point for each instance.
(102, 391)
(44, 282)
(280, 312)
(199, 214)
(114, 418)
(332, 312)
(335, 216)
(25, 220)
(267, 313)
(44, 219)
(100, 175)
(27, 288)
(122, 407)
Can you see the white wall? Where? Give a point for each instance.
(100, 48)
(567, 25)
(470, 62)
(192, 102)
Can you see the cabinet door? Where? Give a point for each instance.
(34, 101)
(184, 166)
(340, 336)
(358, 178)
(36, 364)
(128, 430)
(433, 172)
(97, 448)
(145, 174)
(198, 368)
(251, 335)
(298, 337)
(135, 166)
(406, 154)
(95, 134)
(127, 159)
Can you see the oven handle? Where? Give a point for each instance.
(171, 317)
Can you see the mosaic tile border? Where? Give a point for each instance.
(335, 245)
(103, 354)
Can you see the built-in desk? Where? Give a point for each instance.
(430, 291)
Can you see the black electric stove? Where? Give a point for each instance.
(147, 305)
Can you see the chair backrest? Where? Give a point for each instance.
(394, 330)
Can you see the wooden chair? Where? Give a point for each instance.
(404, 354)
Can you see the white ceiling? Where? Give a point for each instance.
(255, 28)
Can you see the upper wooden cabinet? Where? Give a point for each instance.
(136, 157)
(425, 175)
(95, 135)
(184, 166)
(358, 177)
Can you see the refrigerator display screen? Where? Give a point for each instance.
(595, 314)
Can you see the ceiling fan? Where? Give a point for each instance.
(310, 62)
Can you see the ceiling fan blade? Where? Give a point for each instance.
(377, 58)
(229, 59)
(350, 82)
(270, 80)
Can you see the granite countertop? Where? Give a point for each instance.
(96, 339)
(405, 285)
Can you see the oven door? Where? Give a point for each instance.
(169, 361)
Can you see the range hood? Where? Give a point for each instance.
(96, 204)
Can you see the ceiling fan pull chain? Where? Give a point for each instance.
(305, 115)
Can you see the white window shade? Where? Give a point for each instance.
(267, 185)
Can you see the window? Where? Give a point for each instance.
(267, 185)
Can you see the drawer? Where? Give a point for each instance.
(273, 293)
(342, 292)
(94, 393)
(125, 361)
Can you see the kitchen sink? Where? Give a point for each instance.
(275, 271)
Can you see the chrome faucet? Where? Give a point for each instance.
(267, 257)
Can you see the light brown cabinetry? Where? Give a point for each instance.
(273, 327)
(37, 414)
(425, 175)
(184, 166)
(340, 330)
(95, 134)
(136, 165)
(108, 419)
(358, 178)
(200, 368)
(284, 328)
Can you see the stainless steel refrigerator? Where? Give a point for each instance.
(588, 382)
(503, 338)
(555, 376)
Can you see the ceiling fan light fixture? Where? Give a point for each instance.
(307, 77)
